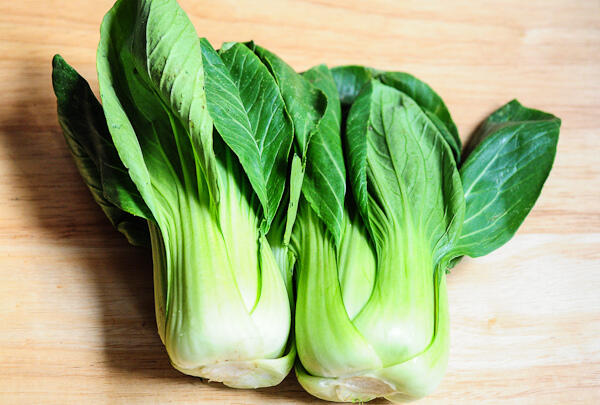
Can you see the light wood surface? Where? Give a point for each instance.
(76, 311)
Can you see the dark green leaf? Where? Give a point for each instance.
(357, 124)
(504, 175)
(324, 184)
(350, 80)
(304, 102)
(429, 101)
(244, 101)
(84, 127)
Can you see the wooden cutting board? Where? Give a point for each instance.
(76, 311)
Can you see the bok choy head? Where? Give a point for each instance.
(209, 155)
(197, 143)
(371, 314)
(371, 311)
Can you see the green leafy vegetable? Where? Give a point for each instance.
(239, 171)
(203, 152)
(371, 311)
(410, 199)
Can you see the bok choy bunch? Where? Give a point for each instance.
(197, 144)
(240, 172)
(371, 310)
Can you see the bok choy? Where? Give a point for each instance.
(372, 311)
(315, 213)
(197, 144)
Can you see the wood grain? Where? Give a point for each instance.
(76, 320)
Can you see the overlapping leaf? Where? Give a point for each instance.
(84, 127)
(151, 84)
(305, 103)
(402, 168)
(429, 101)
(324, 184)
(249, 113)
(350, 80)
